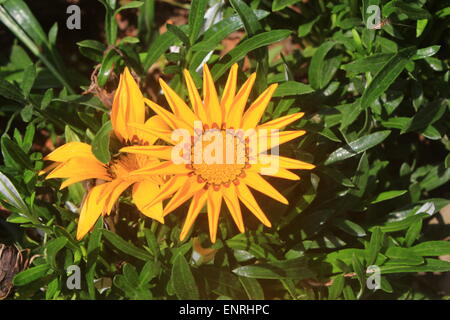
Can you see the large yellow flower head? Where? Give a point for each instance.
(220, 142)
(76, 162)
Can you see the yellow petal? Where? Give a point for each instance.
(161, 152)
(145, 131)
(232, 201)
(161, 168)
(153, 122)
(281, 172)
(145, 192)
(247, 198)
(214, 205)
(70, 150)
(234, 117)
(258, 183)
(210, 99)
(197, 203)
(178, 106)
(287, 163)
(169, 188)
(74, 179)
(276, 138)
(256, 110)
(128, 106)
(91, 210)
(75, 167)
(281, 122)
(114, 194)
(172, 121)
(229, 91)
(194, 96)
(183, 194)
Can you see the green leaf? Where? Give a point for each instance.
(278, 5)
(412, 11)
(292, 88)
(13, 155)
(432, 248)
(196, 18)
(350, 227)
(106, 67)
(183, 281)
(29, 76)
(430, 265)
(335, 290)
(371, 64)
(52, 249)
(316, 69)
(178, 33)
(47, 98)
(374, 247)
(426, 52)
(305, 29)
(287, 269)
(357, 146)
(420, 27)
(129, 5)
(388, 195)
(252, 288)
(158, 47)
(92, 44)
(11, 195)
(239, 52)
(126, 247)
(413, 232)
(386, 76)
(10, 91)
(405, 255)
(30, 275)
(100, 144)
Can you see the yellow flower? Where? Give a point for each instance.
(209, 182)
(76, 162)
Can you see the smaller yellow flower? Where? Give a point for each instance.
(76, 162)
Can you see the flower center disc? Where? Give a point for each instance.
(219, 157)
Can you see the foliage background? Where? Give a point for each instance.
(377, 116)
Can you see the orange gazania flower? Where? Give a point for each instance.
(208, 183)
(76, 162)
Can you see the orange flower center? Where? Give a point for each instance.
(219, 157)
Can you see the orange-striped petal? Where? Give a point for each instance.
(248, 199)
(287, 163)
(183, 194)
(161, 168)
(172, 121)
(210, 99)
(169, 188)
(234, 117)
(214, 205)
(161, 152)
(178, 106)
(197, 203)
(281, 122)
(256, 110)
(229, 91)
(258, 183)
(273, 139)
(75, 167)
(232, 201)
(91, 210)
(128, 106)
(70, 150)
(143, 193)
(194, 96)
(280, 173)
